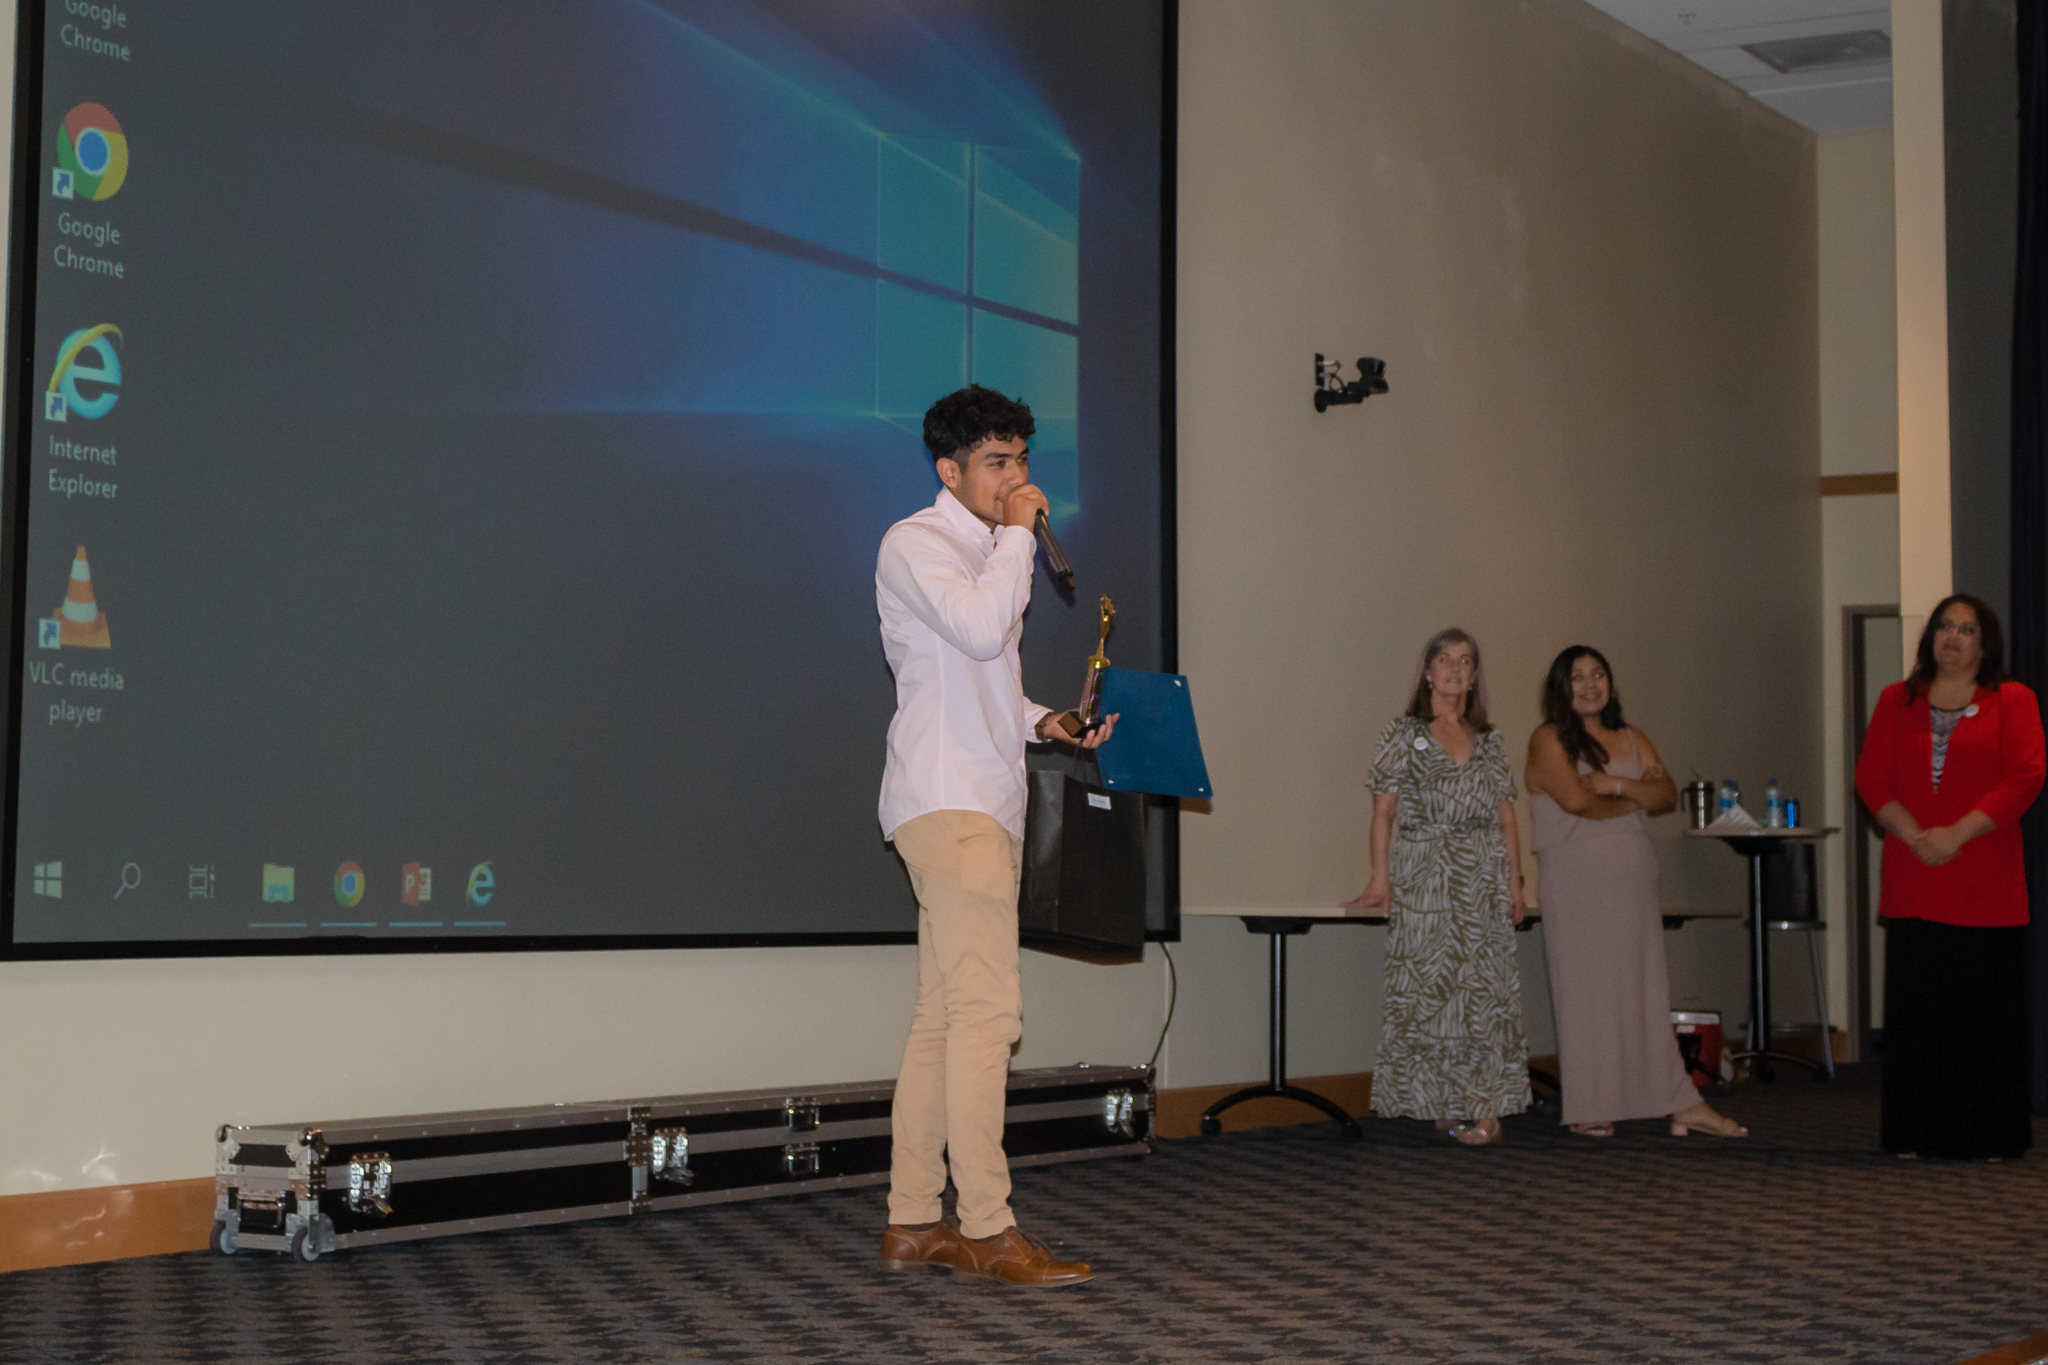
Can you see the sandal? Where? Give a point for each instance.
(1709, 1122)
(1593, 1130)
(1477, 1133)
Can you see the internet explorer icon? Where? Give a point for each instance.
(85, 356)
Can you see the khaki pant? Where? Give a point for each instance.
(964, 867)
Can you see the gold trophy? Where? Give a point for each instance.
(1082, 720)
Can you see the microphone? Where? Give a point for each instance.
(1055, 558)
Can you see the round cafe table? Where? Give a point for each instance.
(1757, 843)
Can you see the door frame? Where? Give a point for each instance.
(1860, 913)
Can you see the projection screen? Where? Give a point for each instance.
(448, 443)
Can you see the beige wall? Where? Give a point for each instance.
(1920, 195)
(1859, 434)
(1591, 271)
(1859, 311)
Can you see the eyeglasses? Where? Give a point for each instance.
(1968, 628)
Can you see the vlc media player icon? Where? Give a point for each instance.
(78, 620)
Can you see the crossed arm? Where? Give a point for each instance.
(1598, 796)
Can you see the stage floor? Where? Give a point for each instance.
(1801, 1243)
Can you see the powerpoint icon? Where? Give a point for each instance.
(79, 619)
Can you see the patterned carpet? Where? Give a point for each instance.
(1800, 1244)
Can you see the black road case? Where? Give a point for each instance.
(311, 1188)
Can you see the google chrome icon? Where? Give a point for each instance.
(91, 146)
(348, 884)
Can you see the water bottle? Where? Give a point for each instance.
(1731, 796)
(1774, 806)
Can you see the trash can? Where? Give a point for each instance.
(1699, 1043)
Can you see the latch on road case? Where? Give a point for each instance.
(369, 1184)
(801, 1158)
(671, 1155)
(1116, 1113)
(800, 1116)
(263, 1213)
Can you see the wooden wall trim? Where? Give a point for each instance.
(2032, 1351)
(1857, 485)
(107, 1223)
(1178, 1113)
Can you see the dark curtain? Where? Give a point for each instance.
(2030, 479)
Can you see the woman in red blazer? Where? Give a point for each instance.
(1952, 760)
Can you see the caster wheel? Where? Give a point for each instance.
(304, 1247)
(220, 1239)
(1211, 1127)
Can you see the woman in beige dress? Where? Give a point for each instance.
(1593, 781)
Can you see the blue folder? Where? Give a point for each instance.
(1155, 747)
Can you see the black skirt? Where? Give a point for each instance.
(1955, 1041)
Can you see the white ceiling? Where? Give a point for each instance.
(1711, 33)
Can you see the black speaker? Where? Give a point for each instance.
(1791, 885)
(1083, 890)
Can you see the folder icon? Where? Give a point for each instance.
(277, 884)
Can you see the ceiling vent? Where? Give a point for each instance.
(1869, 47)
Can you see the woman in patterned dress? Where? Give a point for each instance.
(1445, 851)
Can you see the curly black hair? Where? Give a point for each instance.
(1579, 744)
(964, 418)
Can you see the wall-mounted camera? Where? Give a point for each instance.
(1331, 389)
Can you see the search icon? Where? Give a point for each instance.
(131, 877)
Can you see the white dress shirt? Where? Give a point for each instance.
(952, 594)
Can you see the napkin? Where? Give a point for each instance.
(1735, 817)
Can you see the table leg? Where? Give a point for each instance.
(1759, 1050)
(1276, 1085)
(1759, 973)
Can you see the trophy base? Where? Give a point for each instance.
(1073, 726)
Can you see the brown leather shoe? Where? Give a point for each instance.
(1014, 1257)
(925, 1248)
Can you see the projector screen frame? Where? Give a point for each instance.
(16, 474)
